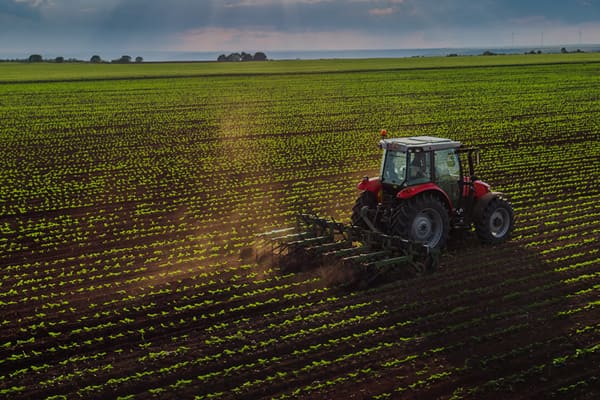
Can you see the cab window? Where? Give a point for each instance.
(447, 173)
(394, 167)
(419, 168)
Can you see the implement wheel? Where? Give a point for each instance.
(368, 199)
(496, 222)
(422, 219)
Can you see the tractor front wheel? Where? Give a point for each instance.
(422, 219)
(496, 222)
(367, 199)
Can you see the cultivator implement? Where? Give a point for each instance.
(362, 255)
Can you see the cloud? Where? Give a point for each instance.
(232, 39)
(12, 14)
(271, 3)
(236, 39)
(531, 20)
(382, 11)
(34, 3)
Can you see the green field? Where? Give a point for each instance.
(131, 197)
(35, 72)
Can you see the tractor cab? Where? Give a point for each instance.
(413, 161)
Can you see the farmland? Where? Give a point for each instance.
(130, 200)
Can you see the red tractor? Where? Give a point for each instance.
(425, 191)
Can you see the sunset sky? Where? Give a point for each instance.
(120, 26)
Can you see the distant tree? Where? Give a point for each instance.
(234, 57)
(123, 60)
(59, 60)
(35, 58)
(260, 56)
(95, 59)
(563, 50)
(222, 58)
(489, 53)
(246, 57)
(139, 59)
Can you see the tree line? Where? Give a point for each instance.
(125, 59)
(243, 56)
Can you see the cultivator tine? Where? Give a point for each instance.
(277, 231)
(364, 257)
(345, 252)
(321, 226)
(292, 237)
(328, 248)
(387, 262)
(309, 241)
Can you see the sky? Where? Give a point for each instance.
(115, 27)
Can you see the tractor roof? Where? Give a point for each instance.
(418, 143)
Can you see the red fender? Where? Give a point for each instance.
(480, 187)
(371, 185)
(412, 191)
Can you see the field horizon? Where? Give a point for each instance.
(49, 72)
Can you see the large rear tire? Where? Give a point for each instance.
(496, 223)
(423, 219)
(368, 199)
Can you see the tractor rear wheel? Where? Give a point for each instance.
(496, 222)
(367, 199)
(422, 219)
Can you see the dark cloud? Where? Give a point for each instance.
(152, 15)
(566, 11)
(11, 10)
(113, 23)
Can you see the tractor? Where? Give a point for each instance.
(426, 191)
